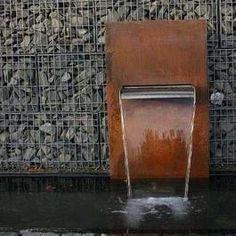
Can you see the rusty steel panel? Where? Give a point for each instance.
(157, 53)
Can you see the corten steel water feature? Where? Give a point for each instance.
(153, 54)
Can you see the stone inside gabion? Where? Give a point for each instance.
(221, 72)
(45, 26)
(72, 26)
(217, 98)
(50, 138)
(53, 68)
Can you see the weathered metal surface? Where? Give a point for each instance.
(158, 53)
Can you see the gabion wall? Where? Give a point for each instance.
(52, 79)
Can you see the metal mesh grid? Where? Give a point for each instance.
(228, 23)
(71, 82)
(52, 79)
(46, 26)
(49, 141)
(222, 86)
(18, 84)
(136, 10)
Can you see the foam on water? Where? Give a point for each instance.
(136, 209)
(139, 208)
(177, 205)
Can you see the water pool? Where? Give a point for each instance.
(156, 207)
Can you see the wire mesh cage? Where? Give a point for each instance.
(18, 84)
(139, 10)
(222, 70)
(71, 82)
(227, 23)
(46, 26)
(52, 79)
(53, 141)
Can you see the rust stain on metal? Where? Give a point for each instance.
(158, 53)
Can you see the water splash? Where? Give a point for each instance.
(177, 205)
(137, 209)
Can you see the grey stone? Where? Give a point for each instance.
(217, 98)
(221, 75)
(35, 135)
(232, 71)
(3, 154)
(48, 128)
(51, 96)
(51, 79)
(29, 153)
(219, 85)
(7, 33)
(4, 94)
(123, 12)
(53, 37)
(21, 25)
(64, 157)
(226, 126)
(111, 16)
(101, 39)
(227, 88)
(104, 152)
(66, 77)
(39, 18)
(21, 13)
(203, 10)
(218, 153)
(48, 26)
(76, 21)
(82, 77)
(43, 80)
(39, 27)
(13, 158)
(17, 151)
(230, 40)
(220, 67)
(21, 74)
(4, 136)
(45, 149)
(18, 134)
(49, 138)
(70, 133)
(230, 135)
(9, 42)
(82, 32)
(26, 41)
(88, 152)
(56, 24)
(83, 37)
(12, 81)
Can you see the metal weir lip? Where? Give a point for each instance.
(158, 92)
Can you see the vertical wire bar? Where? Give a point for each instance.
(99, 139)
